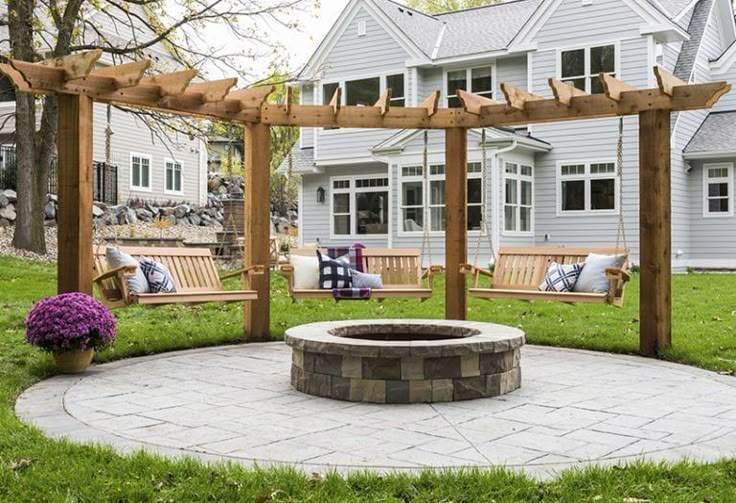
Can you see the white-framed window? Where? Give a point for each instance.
(367, 91)
(360, 205)
(173, 177)
(474, 80)
(587, 187)
(425, 205)
(140, 172)
(518, 198)
(580, 67)
(718, 190)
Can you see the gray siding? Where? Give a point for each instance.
(430, 80)
(307, 133)
(131, 134)
(711, 238)
(511, 71)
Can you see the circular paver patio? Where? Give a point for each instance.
(236, 403)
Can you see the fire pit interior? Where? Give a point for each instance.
(405, 361)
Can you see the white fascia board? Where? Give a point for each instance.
(345, 161)
(721, 154)
(665, 32)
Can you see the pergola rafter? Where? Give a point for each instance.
(78, 83)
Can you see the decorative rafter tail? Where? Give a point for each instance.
(564, 93)
(16, 78)
(212, 91)
(384, 102)
(473, 103)
(725, 89)
(614, 87)
(431, 104)
(171, 84)
(518, 98)
(288, 98)
(252, 97)
(75, 66)
(39, 77)
(666, 81)
(336, 101)
(125, 75)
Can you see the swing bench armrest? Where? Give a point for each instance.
(245, 272)
(430, 272)
(119, 272)
(475, 272)
(618, 275)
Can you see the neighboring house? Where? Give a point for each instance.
(221, 151)
(151, 165)
(546, 184)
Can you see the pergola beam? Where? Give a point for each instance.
(75, 66)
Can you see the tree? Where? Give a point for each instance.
(437, 6)
(38, 29)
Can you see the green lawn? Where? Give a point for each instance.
(34, 468)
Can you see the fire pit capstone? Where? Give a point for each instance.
(405, 361)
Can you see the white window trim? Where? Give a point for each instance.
(168, 160)
(353, 207)
(587, 177)
(141, 188)
(706, 210)
(469, 79)
(586, 48)
(341, 82)
(426, 194)
(518, 177)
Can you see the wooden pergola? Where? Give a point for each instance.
(78, 83)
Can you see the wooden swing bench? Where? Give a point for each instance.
(193, 270)
(400, 269)
(520, 270)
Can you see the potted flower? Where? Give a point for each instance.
(71, 326)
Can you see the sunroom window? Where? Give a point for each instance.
(360, 206)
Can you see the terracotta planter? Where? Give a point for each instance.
(74, 361)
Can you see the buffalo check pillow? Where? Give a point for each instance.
(334, 273)
(561, 277)
(158, 276)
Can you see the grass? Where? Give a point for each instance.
(36, 468)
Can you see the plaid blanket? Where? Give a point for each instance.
(355, 257)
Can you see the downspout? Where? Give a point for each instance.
(496, 201)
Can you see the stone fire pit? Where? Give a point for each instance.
(405, 361)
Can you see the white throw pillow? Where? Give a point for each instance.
(363, 280)
(306, 272)
(137, 284)
(593, 278)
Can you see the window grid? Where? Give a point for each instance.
(474, 80)
(718, 190)
(173, 177)
(345, 203)
(581, 67)
(587, 188)
(140, 172)
(518, 198)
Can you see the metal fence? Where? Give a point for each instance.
(105, 177)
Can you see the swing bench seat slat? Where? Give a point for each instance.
(520, 270)
(400, 269)
(194, 272)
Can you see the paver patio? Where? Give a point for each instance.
(236, 403)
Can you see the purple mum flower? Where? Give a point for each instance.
(70, 321)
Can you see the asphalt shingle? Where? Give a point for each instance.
(717, 134)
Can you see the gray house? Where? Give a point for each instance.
(544, 185)
(152, 163)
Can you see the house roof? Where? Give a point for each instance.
(716, 134)
(690, 48)
(673, 8)
(302, 161)
(446, 35)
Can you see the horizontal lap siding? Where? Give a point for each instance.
(131, 134)
(430, 80)
(307, 133)
(316, 217)
(511, 71)
(711, 238)
(376, 53)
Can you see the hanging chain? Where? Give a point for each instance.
(484, 227)
(621, 231)
(426, 238)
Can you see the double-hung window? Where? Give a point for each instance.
(173, 176)
(581, 67)
(360, 206)
(587, 187)
(518, 198)
(366, 92)
(718, 190)
(140, 172)
(425, 205)
(474, 80)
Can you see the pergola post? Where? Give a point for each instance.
(456, 232)
(257, 138)
(655, 214)
(75, 264)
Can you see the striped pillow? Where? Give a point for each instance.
(158, 276)
(561, 277)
